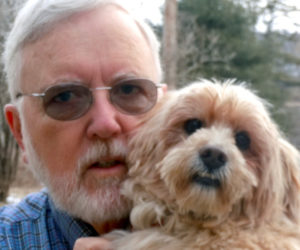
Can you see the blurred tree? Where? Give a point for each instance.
(270, 10)
(221, 37)
(8, 147)
(169, 56)
(217, 39)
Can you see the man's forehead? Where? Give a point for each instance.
(81, 28)
(98, 31)
(104, 16)
(102, 13)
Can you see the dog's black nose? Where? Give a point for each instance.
(213, 158)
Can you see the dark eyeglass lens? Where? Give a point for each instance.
(127, 89)
(67, 102)
(135, 96)
(70, 101)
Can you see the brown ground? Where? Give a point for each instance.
(24, 184)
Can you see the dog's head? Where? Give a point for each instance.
(210, 152)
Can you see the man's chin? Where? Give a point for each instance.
(90, 204)
(95, 179)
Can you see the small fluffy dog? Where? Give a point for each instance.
(210, 170)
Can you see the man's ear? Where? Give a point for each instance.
(14, 122)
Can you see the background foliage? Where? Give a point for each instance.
(8, 146)
(218, 39)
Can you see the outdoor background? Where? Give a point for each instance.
(256, 41)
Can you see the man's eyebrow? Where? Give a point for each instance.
(122, 76)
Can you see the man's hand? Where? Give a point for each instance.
(92, 243)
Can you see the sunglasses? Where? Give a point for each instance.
(69, 101)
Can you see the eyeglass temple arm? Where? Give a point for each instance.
(160, 85)
(32, 94)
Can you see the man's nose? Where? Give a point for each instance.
(104, 119)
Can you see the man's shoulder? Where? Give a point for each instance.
(30, 208)
(30, 224)
(23, 225)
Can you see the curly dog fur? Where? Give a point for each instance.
(210, 169)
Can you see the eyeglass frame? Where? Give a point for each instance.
(91, 90)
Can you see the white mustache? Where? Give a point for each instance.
(101, 152)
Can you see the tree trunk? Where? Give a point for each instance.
(8, 147)
(170, 43)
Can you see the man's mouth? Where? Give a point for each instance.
(107, 168)
(107, 164)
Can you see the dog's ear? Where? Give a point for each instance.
(144, 183)
(147, 144)
(291, 169)
(147, 149)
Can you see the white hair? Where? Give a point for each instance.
(37, 17)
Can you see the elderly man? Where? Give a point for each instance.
(81, 74)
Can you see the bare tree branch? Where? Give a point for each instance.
(8, 147)
(170, 42)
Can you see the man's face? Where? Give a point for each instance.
(83, 161)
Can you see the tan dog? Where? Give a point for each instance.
(210, 170)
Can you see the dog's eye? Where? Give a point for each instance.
(242, 140)
(191, 125)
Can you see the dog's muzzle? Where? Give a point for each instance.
(213, 159)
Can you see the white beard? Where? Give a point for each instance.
(104, 203)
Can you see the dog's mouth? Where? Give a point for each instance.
(206, 181)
